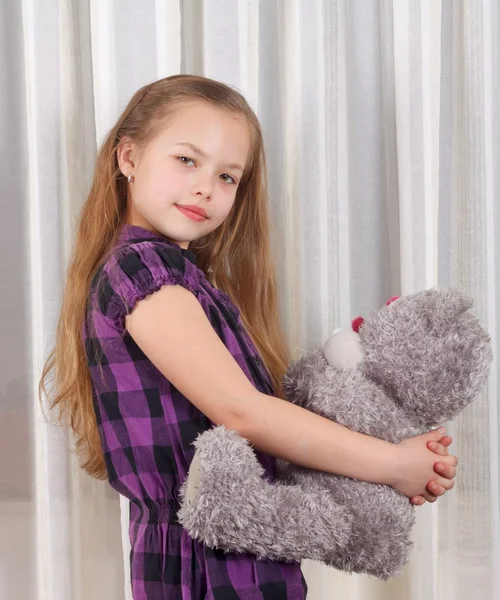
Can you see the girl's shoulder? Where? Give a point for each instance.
(135, 269)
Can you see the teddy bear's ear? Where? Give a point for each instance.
(445, 309)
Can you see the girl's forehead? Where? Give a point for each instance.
(210, 129)
(196, 116)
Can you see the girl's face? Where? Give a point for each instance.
(196, 160)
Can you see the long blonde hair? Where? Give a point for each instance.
(237, 255)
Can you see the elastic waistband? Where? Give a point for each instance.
(154, 511)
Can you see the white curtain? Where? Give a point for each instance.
(382, 128)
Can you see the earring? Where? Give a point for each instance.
(129, 178)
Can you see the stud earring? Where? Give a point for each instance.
(130, 178)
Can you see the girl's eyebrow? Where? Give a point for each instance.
(205, 155)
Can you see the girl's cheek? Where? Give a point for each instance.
(227, 210)
(172, 179)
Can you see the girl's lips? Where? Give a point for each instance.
(190, 214)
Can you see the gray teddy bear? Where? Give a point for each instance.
(414, 364)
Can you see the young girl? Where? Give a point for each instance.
(169, 325)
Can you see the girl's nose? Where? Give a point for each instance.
(203, 186)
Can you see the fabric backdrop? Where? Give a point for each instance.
(382, 129)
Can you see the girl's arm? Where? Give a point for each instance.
(299, 436)
(173, 331)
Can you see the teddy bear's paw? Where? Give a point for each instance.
(381, 535)
(224, 476)
(223, 464)
(381, 541)
(382, 520)
(385, 560)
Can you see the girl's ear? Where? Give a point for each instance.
(126, 155)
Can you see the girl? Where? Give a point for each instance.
(169, 325)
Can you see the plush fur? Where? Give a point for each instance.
(416, 364)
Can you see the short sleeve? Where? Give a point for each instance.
(136, 271)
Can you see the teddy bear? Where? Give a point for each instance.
(412, 365)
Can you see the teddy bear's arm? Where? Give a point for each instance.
(380, 539)
(227, 504)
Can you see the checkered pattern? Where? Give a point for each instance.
(147, 427)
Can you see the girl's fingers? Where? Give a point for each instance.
(447, 484)
(418, 500)
(437, 448)
(446, 441)
(445, 470)
(430, 497)
(441, 483)
(449, 459)
(436, 489)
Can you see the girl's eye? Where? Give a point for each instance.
(185, 160)
(185, 157)
(232, 178)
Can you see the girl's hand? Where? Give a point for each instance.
(433, 489)
(415, 466)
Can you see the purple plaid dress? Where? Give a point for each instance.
(147, 427)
